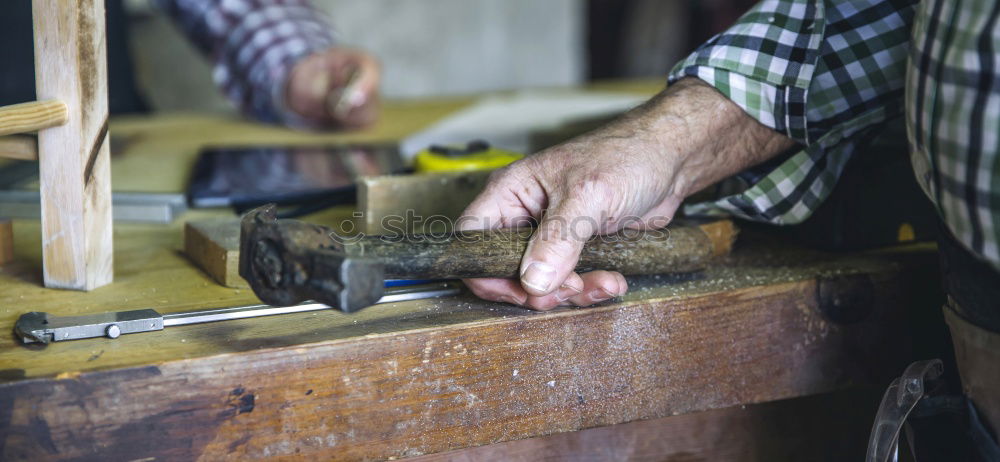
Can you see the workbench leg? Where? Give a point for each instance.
(75, 173)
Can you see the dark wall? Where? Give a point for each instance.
(644, 38)
(17, 78)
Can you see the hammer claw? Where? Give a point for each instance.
(288, 262)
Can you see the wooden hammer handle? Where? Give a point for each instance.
(497, 253)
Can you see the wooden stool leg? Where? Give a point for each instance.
(75, 173)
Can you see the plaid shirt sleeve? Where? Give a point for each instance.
(253, 45)
(824, 73)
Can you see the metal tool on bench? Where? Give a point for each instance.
(36, 327)
(133, 207)
(287, 261)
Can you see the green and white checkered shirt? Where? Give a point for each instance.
(829, 74)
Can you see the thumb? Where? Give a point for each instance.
(554, 248)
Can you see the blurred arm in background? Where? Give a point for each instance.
(277, 61)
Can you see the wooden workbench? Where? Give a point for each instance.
(421, 377)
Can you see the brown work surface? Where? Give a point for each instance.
(417, 377)
(827, 427)
(423, 377)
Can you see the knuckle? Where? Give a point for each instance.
(610, 285)
(560, 246)
(567, 229)
(506, 179)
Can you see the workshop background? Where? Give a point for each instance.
(433, 48)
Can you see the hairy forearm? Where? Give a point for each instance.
(703, 136)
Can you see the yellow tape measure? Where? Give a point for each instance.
(477, 155)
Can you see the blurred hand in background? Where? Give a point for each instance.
(337, 86)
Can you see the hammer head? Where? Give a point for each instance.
(288, 262)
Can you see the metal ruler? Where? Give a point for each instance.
(38, 327)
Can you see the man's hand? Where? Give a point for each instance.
(633, 173)
(336, 87)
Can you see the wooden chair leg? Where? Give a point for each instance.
(74, 164)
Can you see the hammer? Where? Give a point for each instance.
(290, 261)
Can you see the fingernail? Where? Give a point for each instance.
(600, 295)
(564, 295)
(348, 100)
(565, 292)
(349, 97)
(610, 294)
(567, 285)
(507, 299)
(538, 276)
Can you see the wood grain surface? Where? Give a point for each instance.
(214, 246)
(427, 202)
(74, 158)
(680, 248)
(831, 427)
(19, 147)
(31, 116)
(423, 377)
